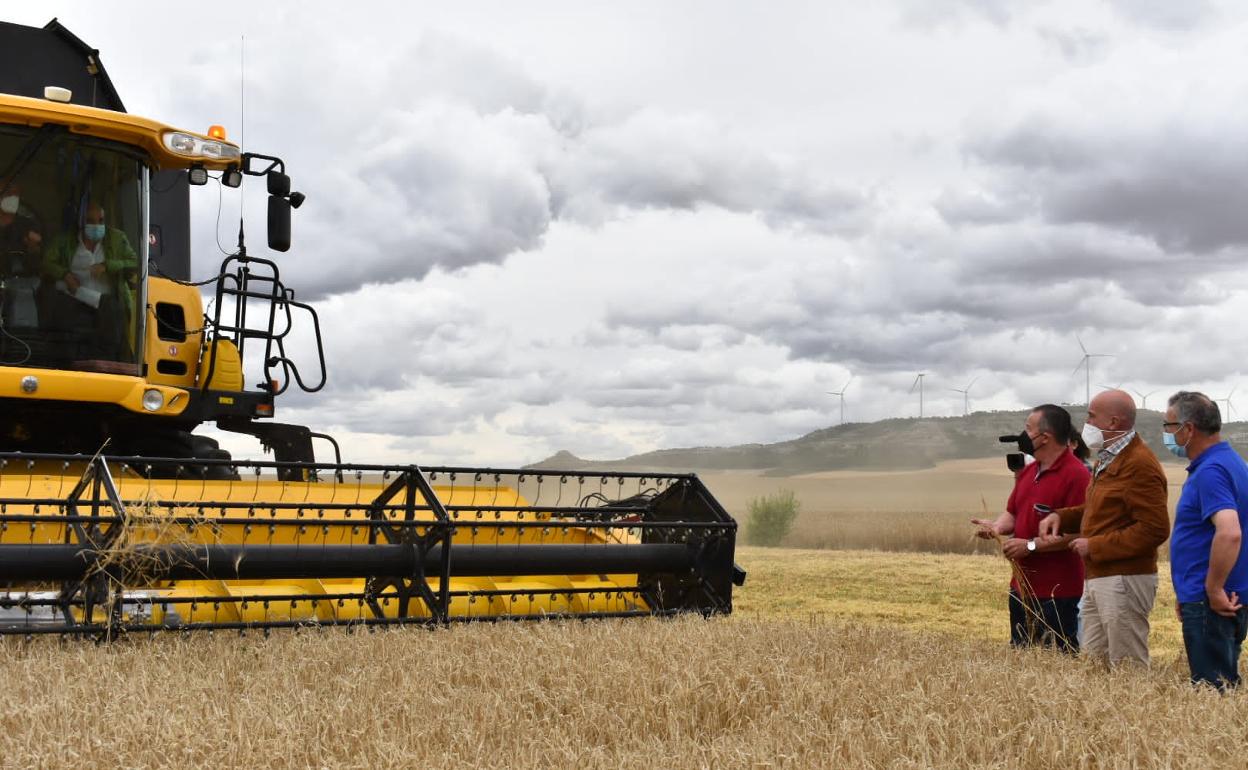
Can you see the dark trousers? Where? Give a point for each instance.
(1048, 622)
(1213, 643)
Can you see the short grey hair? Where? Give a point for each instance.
(1198, 409)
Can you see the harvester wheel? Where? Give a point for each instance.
(185, 446)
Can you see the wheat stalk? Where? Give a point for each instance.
(1027, 594)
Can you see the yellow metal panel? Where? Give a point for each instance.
(91, 387)
(106, 124)
(162, 290)
(227, 372)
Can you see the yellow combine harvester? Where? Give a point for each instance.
(115, 517)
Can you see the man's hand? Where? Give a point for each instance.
(33, 240)
(1222, 604)
(1051, 525)
(97, 270)
(1015, 548)
(71, 283)
(986, 528)
(1178, 612)
(1080, 546)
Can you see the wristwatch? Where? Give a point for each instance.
(1031, 545)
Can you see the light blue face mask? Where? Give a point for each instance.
(93, 232)
(1172, 444)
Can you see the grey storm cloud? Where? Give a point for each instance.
(654, 160)
(1184, 186)
(464, 160)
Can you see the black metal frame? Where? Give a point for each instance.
(680, 544)
(243, 278)
(101, 583)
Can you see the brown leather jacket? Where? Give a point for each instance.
(1124, 516)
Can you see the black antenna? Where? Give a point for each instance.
(242, 129)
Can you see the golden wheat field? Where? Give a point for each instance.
(834, 658)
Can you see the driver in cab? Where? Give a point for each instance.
(91, 270)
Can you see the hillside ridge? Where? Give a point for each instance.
(892, 444)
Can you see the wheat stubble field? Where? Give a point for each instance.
(835, 658)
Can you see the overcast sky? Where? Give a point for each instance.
(611, 228)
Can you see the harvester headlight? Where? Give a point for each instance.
(153, 400)
(195, 147)
(183, 143)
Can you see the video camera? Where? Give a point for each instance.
(1015, 461)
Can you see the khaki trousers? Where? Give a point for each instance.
(1115, 617)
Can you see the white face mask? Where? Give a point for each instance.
(1093, 437)
(9, 204)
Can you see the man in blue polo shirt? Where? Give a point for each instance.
(1208, 563)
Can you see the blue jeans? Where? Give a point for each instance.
(1213, 643)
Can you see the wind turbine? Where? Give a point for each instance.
(1086, 362)
(841, 393)
(918, 381)
(1230, 410)
(966, 396)
(1143, 397)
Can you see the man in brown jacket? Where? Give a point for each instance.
(1120, 525)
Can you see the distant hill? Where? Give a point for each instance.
(908, 443)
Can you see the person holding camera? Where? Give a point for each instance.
(1048, 576)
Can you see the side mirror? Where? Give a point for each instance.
(279, 183)
(279, 221)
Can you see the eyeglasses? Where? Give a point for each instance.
(1170, 424)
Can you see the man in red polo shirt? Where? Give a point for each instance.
(1048, 579)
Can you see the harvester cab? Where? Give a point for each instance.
(115, 517)
(102, 335)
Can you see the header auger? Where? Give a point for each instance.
(105, 347)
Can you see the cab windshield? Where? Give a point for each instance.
(73, 251)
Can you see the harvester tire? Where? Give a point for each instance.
(185, 446)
